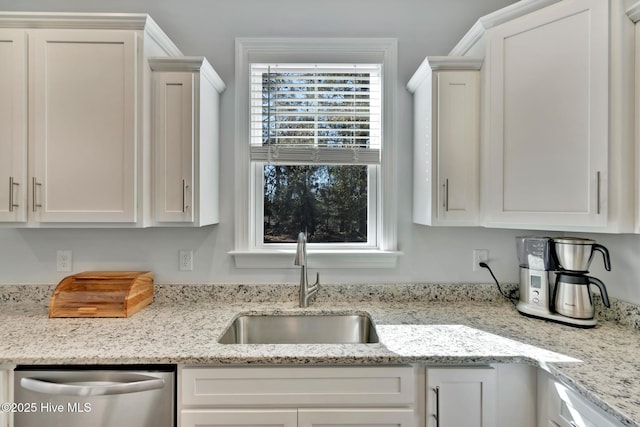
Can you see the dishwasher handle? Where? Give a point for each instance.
(88, 388)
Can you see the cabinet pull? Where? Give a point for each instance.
(185, 188)
(12, 184)
(436, 390)
(598, 192)
(445, 202)
(34, 199)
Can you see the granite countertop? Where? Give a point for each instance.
(421, 324)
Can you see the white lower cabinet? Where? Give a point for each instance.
(298, 396)
(6, 394)
(560, 406)
(462, 397)
(364, 417)
(240, 417)
(299, 417)
(501, 395)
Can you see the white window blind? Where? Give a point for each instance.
(308, 113)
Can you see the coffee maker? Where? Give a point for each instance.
(537, 264)
(572, 295)
(554, 284)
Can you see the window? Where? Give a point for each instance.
(314, 150)
(315, 142)
(329, 202)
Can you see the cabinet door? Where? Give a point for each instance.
(6, 382)
(637, 126)
(458, 134)
(174, 147)
(356, 417)
(239, 417)
(13, 125)
(83, 125)
(464, 397)
(548, 118)
(446, 145)
(568, 409)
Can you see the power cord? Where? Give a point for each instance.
(511, 296)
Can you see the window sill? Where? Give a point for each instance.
(317, 259)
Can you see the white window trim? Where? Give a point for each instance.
(330, 50)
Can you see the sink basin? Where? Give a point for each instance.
(301, 329)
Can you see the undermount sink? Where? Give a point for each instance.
(301, 329)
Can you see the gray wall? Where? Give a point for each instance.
(209, 27)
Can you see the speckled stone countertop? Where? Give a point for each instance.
(421, 324)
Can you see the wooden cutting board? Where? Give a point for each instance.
(102, 294)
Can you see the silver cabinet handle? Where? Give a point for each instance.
(446, 195)
(185, 188)
(598, 193)
(142, 383)
(436, 390)
(34, 199)
(12, 184)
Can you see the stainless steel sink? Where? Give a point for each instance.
(301, 329)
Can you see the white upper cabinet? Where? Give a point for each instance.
(87, 118)
(84, 129)
(556, 148)
(186, 103)
(558, 128)
(446, 140)
(13, 122)
(634, 14)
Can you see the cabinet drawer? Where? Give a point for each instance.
(298, 417)
(356, 417)
(240, 418)
(298, 386)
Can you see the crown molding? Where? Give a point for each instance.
(633, 11)
(443, 63)
(63, 20)
(192, 64)
(90, 21)
(478, 30)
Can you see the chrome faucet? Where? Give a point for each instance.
(306, 291)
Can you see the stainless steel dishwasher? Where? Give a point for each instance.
(113, 396)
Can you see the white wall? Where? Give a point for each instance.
(208, 27)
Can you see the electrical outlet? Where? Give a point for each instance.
(186, 261)
(479, 255)
(64, 260)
